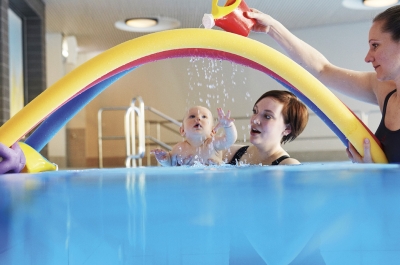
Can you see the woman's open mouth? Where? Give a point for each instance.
(254, 131)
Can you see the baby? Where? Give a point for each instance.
(200, 141)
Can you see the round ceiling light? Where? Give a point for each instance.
(147, 24)
(141, 22)
(368, 4)
(379, 3)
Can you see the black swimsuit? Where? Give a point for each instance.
(242, 150)
(390, 140)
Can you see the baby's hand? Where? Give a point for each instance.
(162, 156)
(224, 121)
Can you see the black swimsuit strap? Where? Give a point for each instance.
(385, 103)
(242, 150)
(279, 160)
(239, 153)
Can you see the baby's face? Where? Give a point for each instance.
(198, 121)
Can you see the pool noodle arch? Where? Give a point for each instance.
(40, 137)
(193, 42)
(50, 126)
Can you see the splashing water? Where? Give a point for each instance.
(209, 86)
(210, 69)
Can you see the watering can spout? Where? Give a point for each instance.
(230, 17)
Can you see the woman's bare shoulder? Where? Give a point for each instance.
(290, 161)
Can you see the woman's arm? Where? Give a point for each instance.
(360, 85)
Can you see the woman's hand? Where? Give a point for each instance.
(355, 157)
(263, 21)
(13, 159)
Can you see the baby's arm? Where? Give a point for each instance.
(163, 157)
(176, 157)
(230, 136)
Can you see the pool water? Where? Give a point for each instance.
(333, 213)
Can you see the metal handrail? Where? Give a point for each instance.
(130, 124)
(158, 142)
(164, 116)
(130, 133)
(100, 137)
(129, 128)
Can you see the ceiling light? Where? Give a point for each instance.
(153, 24)
(368, 4)
(379, 3)
(141, 22)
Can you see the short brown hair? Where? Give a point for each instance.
(391, 21)
(294, 112)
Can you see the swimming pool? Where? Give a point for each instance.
(333, 213)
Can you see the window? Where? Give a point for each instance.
(16, 63)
